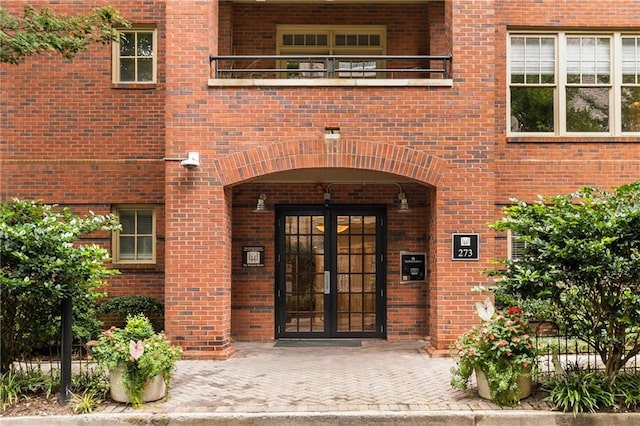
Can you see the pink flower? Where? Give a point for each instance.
(516, 339)
(525, 364)
(503, 343)
(136, 349)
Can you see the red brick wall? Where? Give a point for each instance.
(255, 25)
(526, 167)
(69, 137)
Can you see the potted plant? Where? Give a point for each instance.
(140, 362)
(501, 351)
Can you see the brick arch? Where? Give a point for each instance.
(283, 156)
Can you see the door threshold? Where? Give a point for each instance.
(318, 343)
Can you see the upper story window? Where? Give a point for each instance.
(136, 242)
(135, 56)
(356, 40)
(574, 84)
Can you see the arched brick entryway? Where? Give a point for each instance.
(277, 157)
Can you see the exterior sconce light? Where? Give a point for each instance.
(404, 204)
(261, 207)
(192, 161)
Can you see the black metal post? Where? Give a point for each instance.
(67, 338)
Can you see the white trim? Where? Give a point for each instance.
(560, 102)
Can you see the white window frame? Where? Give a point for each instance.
(115, 53)
(560, 102)
(116, 251)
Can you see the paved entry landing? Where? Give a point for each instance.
(378, 376)
(318, 343)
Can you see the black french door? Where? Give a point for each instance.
(330, 275)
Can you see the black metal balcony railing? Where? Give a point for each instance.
(330, 66)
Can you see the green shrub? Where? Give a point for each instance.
(88, 387)
(579, 390)
(9, 389)
(627, 388)
(131, 305)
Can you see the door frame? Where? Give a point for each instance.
(330, 214)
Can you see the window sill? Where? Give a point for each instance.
(134, 86)
(573, 139)
(134, 266)
(328, 82)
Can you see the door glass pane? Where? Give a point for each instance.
(304, 274)
(356, 266)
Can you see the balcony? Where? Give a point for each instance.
(337, 43)
(330, 70)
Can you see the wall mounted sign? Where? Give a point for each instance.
(253, 256)
(413, 266)
(465, 247)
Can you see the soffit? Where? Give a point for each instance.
(331, 175)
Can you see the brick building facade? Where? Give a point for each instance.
(331, 113)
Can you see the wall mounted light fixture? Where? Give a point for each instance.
(192, 161)
(261, 207)
(404, 204)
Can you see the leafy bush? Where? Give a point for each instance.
(627, 386)
(43, 264)
(131, 305)
(579, 390)
(88, 387)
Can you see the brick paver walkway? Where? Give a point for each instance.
(261, 378)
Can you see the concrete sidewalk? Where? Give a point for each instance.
(378, 383)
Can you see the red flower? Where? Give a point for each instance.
(515, 310)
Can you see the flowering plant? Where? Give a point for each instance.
(500, 347)
(143, 353)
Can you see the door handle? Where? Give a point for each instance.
(327, 282)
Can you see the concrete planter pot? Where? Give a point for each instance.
(154, 389)
(525, 386)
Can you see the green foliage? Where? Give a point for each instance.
(90, 380)
(85, 402)
(9, 389)
(627, 389)
(88, 387)
(581, 391)
(581, 252)
(42, 263)
(533, 309)
(501, 348)
(143, 354)
(43, 30)
(131, 305)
